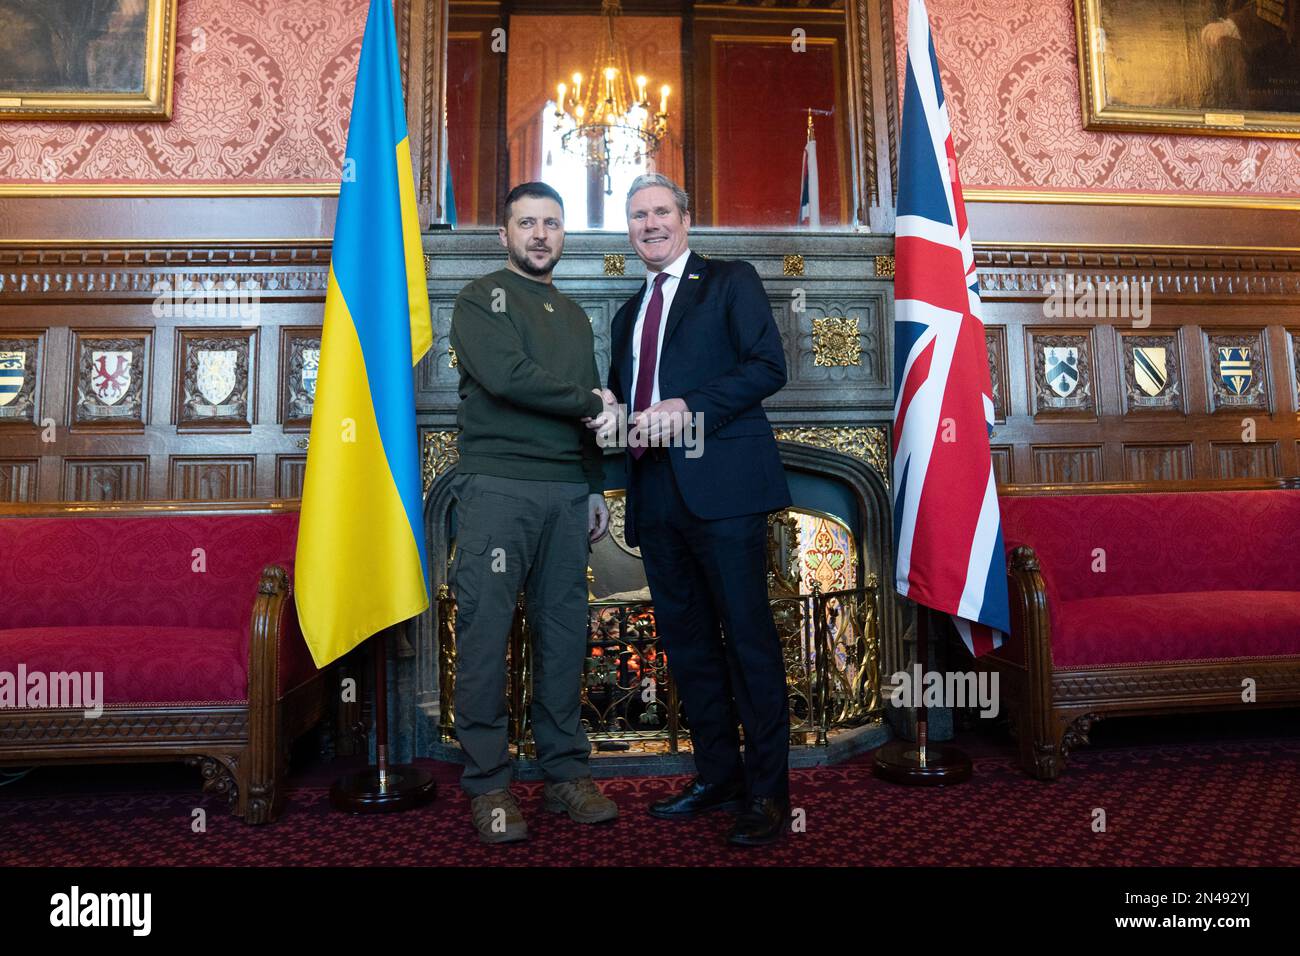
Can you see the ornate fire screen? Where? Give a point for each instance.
(830, 641)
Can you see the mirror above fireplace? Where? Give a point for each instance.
(761, 110)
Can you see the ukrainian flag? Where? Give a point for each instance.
(362, 564)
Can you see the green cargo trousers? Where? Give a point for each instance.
(515, 534)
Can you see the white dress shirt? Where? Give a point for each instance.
(674, 270)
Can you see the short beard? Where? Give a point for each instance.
(524, 265)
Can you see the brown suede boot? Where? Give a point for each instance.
(580, 799)
(497, 817)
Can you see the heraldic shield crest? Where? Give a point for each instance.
(310, 367)
(1149, 369)
(1235, 370)
(1061, 368)
(11, 375)
(215, 375)
(110, 375)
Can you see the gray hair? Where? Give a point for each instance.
(646, 180)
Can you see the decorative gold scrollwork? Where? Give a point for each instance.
(869, 443)
(439, 453)
(837, 341)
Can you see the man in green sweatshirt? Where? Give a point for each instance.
(529, 505)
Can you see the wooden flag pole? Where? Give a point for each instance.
(921, 764)
(383, 788)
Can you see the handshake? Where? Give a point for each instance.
(659, 425)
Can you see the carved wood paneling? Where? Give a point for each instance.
(289, 472)
(1003, 464)
(138, 271)
(1066, 464)
(98, 278)
(1293, 335)
(105, 479)
(995, 341)
(1010, 271)
(1245, 459)
(18, 479)
(211, 479)
(1171, 462)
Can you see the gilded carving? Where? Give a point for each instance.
(837, 341)
(615, 264)
(440, 452)
(868, 443)
(792, 266)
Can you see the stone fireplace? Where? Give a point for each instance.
(826, 567)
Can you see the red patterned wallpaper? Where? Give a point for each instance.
(262, 95)
(1011, 76)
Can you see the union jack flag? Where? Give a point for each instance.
(947, 527)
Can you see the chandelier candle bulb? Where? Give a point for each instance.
(640, 91)
(663, 99)
(560, 90)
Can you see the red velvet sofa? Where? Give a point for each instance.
(1200, 592)
(186, 609)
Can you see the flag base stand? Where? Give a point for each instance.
(920, 763)
(935, 765)
(404, 788)
(383, 788)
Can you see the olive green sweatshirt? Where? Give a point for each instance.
(527, 367)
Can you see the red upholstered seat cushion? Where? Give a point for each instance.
(1152, 628)
(1167, 576)
(1159, 543)
(162, 601)
(84, 570)
(140, 664)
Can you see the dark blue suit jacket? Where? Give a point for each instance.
(722, 355)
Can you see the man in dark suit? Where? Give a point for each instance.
(694, 354)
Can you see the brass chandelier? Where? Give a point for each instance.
(606, 117)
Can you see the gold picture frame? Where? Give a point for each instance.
(1203, 67)
(70, 61)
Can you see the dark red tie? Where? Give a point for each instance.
(649, 353)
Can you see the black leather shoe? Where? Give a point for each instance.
(764, 820)
(699, 797)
